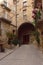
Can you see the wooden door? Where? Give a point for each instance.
(25, 39)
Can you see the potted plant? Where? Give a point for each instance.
(12, 39)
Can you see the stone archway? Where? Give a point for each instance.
(23, 32)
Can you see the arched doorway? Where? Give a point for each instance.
(23, 32)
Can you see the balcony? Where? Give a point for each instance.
(6, 5)
(5, 17)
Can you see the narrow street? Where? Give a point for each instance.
(25, 55)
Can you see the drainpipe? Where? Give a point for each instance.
(16, 15)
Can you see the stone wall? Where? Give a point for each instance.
(4, 29)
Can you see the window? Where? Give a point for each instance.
(25, 14)
(13, 9)
(25, 17)
(17, 15)
(38, 4)
(13, 31)
(5, 3)
(17, 0)
(24, 11)
(14, 6)
(25, 4)
(5, 14)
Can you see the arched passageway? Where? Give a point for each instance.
(23, 32)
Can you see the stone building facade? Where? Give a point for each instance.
(24, 14)
(7, 18)
(18, 16)
(24, 18)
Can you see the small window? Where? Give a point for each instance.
(17, 15)
(24, 11)
(25, 4)
(24, 0)
(25, 14)
(5, 14)
(17, 1)
(25, 17)
(13, 9)
(13, 31)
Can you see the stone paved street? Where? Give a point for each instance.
(25, 55)
(7, 52)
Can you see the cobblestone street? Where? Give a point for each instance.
(25, 55)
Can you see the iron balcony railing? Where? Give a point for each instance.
(5, 16)
(6, 5)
